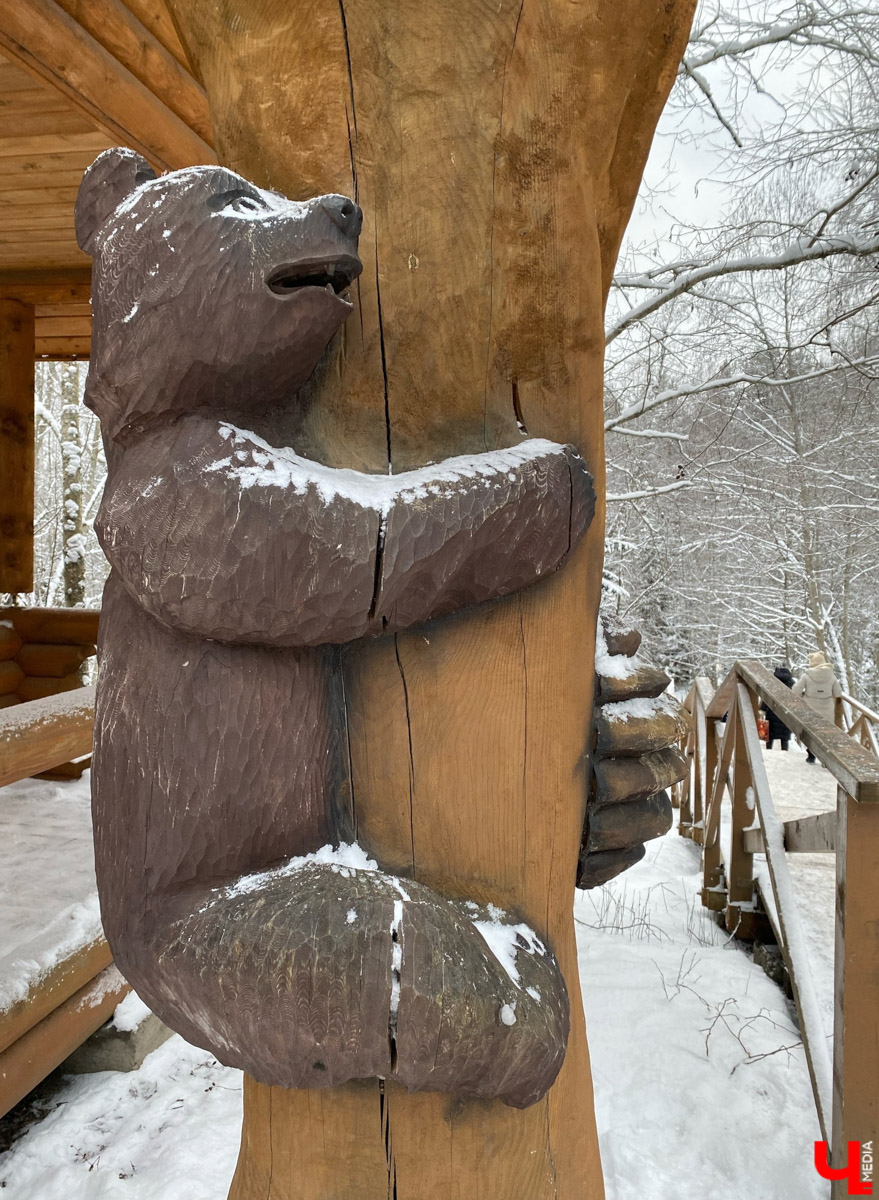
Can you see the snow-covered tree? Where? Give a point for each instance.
(69, 567)
(743, 351)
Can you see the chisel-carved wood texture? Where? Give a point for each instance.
(239, 570)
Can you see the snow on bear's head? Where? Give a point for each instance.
(206, 290)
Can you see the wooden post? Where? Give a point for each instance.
(682, 796)
(690, 788)
(16, 446)
(714, 884)
(704, 774)
(496, 152)
(709, 772)
(856, 1010)
(740, 868)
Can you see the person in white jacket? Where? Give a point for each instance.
(820, 687)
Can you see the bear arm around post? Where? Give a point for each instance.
(302, 554)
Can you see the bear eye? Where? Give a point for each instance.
(244, 204)
(237, 201)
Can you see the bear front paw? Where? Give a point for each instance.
(636, 757)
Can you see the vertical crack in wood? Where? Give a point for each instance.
(381, 340)
(411, 756)
(345, 706)
(385, 1119)
(570, 508)
(351, 157)
(396, 979)
(520, 421)
(516, 30)
(379, 565)
(350, 71)
(491, 232)
(351, 115)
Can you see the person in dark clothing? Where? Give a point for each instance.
(778, 731)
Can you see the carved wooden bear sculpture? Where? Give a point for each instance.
(238, 569)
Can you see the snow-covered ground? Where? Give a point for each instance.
(800, 789)
(701, 1085)
(700, 1078)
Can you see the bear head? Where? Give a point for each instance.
(206, 290)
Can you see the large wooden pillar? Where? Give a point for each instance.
(16, 446)
(496, 150)
(856, 985)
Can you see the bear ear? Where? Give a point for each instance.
(111, 177)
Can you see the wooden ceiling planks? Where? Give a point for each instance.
(45, 145)
(76, 77)
(113, 69)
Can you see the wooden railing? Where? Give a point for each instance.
(39, 735)
(726, 768)
(46, 725)
(44, 656)
(861, 722)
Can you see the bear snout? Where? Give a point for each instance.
(344, 213)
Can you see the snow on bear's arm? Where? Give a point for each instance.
(253, 463)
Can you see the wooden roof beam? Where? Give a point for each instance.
(158, 20)
(132, 44)
(41, 37)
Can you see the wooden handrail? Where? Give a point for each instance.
(705, 688)
(796, 947)
(40, 734)
(700, 745)
(722, 699)
(868, 712)
(863, 727)
(854, 767)
(726, 764)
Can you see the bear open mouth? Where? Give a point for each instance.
(331, 275)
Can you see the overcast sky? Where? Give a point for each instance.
(694, 159)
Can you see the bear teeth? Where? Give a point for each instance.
(330, 276)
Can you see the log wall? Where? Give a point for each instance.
(43, 652)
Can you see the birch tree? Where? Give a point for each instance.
(69, 567)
